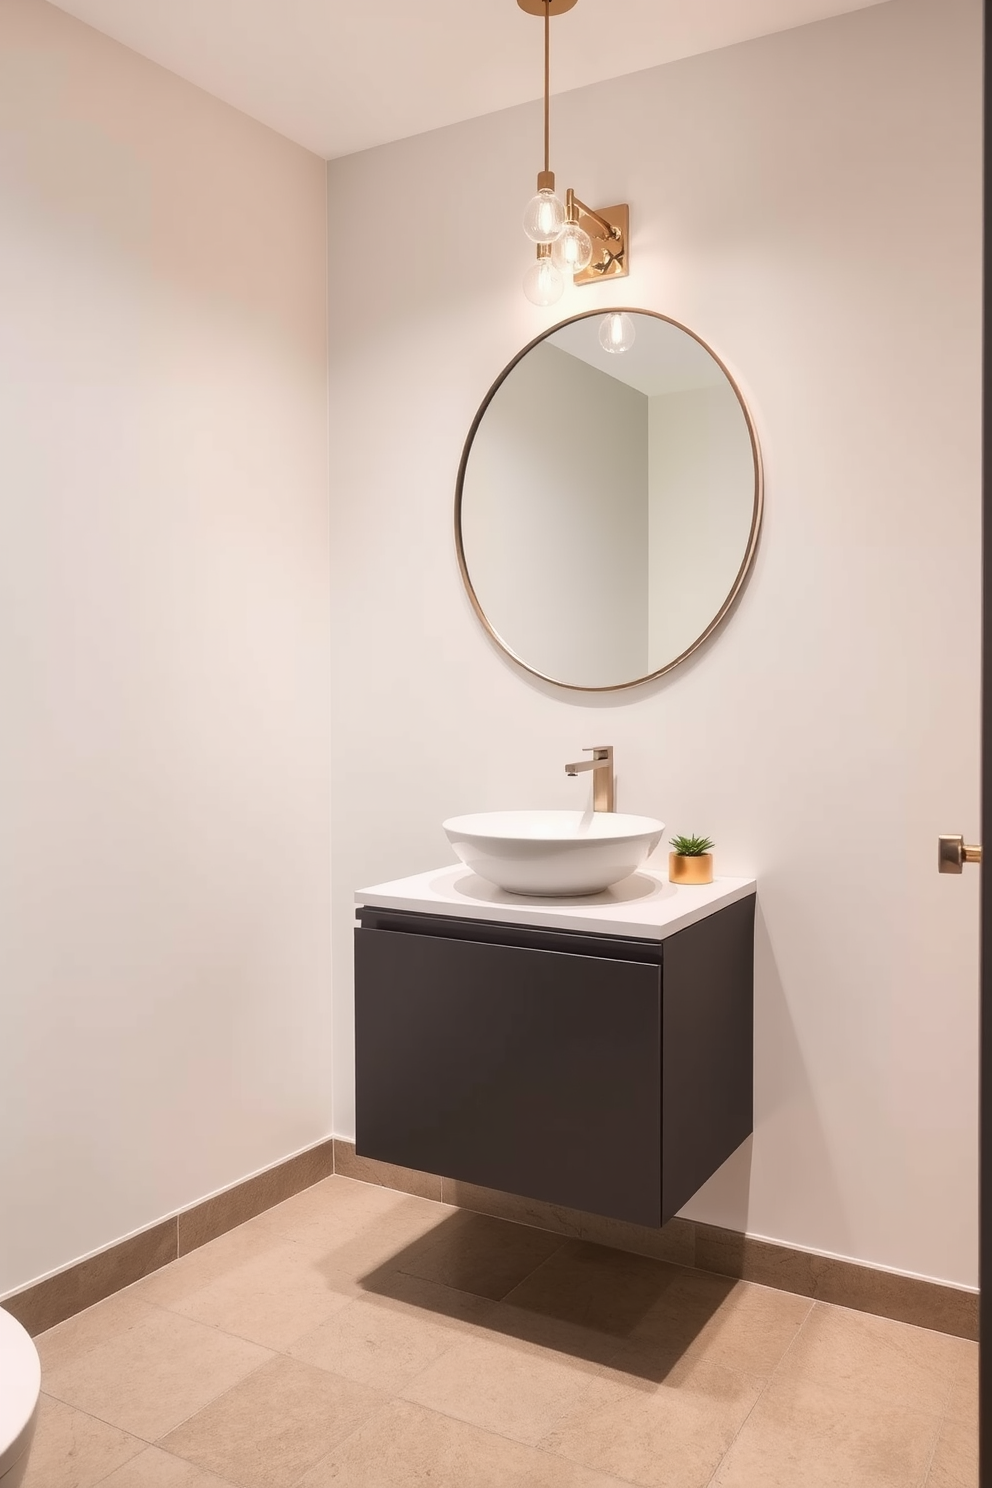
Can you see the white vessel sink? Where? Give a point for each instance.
(551, 854)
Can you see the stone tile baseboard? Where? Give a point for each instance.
(85, 1282)
(906, 1299)
(684, 1242)
(386, 1175)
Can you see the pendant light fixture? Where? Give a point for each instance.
(573, 241)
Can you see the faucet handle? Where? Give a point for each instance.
(600, 751)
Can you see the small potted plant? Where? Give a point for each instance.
(692, 860)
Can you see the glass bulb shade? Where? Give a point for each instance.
(542, 283)
(572, 249)
(616, 332)
(544, 217)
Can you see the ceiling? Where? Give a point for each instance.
(343, 75)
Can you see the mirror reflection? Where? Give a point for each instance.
(609, 500)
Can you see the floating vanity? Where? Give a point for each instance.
(593, 1052)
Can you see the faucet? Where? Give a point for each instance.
(601, 765)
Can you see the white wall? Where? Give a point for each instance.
(164, 852)
(809, 203)
(555, 519)
(701, 506)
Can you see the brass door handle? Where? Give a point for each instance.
(953, 853)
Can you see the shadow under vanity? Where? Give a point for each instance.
(595, 1053)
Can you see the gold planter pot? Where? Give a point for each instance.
(695, 870)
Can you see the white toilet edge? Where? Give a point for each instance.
(12, 1471)
(20, 1388)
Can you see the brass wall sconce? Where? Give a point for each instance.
(572, 238)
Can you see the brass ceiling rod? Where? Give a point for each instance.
(569, 235)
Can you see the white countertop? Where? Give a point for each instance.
(645, 906)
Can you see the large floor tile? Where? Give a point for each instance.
(405, 1446)
(806, 1435)
(736, 1325)
(217, 1259)
(502, 1384)
(890, 1363)
(337, 1201)
(476, 1253)
(352, 1251)
(152, 1376)
(670, 1435)
(962, 1400)
(606, 1291)
(75, 1337)
(386, 1340)
(267, 1431)
(72, 1450)
(157, 1469)
(955, 1462)
(558, 1335)
(522, 1360)
(271, 1298)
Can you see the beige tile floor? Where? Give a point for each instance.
(367, 1339)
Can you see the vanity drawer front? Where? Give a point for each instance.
(530, 1071)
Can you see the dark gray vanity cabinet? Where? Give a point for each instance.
(606, 1073)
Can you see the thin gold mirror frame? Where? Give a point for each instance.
(752, 542)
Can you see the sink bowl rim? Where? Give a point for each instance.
(561, 828)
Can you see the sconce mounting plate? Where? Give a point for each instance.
(610, 256)
(553, 7)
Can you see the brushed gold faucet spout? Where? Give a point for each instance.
(603, 784)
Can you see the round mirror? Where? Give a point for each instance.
(608, 500)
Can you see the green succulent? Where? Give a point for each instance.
(692, 847)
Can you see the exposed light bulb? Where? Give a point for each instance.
(544, 216)
(572, 249)
(616, 332)
(542, 283)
